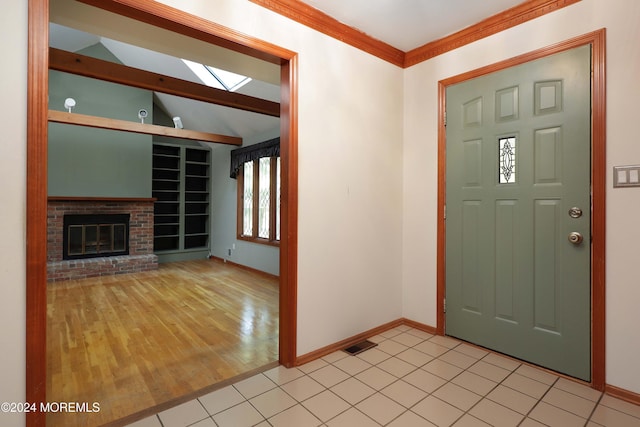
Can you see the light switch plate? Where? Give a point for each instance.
(626, 176)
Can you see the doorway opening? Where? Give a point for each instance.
(155, 15)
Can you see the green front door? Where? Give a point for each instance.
(518, 212)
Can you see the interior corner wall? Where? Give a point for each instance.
(620, 18)
(224, 243)
(13, 160)
(350, 175)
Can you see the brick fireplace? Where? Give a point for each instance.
(140, 255)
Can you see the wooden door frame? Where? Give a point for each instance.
(166, 17)
(598, 185)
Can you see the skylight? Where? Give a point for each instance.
(215, 77)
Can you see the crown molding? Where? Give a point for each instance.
(313, 18)
(320, 21)
(502, 21)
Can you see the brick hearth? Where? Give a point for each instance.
(140, 258)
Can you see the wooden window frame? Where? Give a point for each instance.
(273, 187)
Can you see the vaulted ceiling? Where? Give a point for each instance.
(403, 32)
(195, 115)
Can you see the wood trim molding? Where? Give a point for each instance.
(313, 18)
(101, 199)
(321, 352)
(347, 342)
(163, 16)
(169, 18)
(289, 212)
(36, 215)
(142, 128)
(420, 326)
(502, 21)
(86, 66)
(307, 15)
(243, 267)
(441, 243)
(599, 195)
(598, 184)
(620, 393)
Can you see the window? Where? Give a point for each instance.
(215, 77)
(507, 160)
(259, 200)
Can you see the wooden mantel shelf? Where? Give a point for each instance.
(99, 199)
(148, 129)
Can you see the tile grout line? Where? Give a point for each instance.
(511, 372)
(467, 412)
(477, 360)
(595, 407)
(447, 381)
(540, 400)
(552, 386)
(414, 368)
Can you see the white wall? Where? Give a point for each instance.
(620, 17)
(13, 155)
(224, 208)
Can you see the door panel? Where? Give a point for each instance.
(546, 280)
(471, 292)
(506, 244)
(518, 158)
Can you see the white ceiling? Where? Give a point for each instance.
(408, 24)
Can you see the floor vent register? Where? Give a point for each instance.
(360, 347)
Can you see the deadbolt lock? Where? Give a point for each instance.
(575, 212)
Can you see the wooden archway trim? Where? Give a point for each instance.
(36, 221)
(598, 185)
(174, 20)
(169, 18)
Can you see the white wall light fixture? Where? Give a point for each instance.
(69, 103)
(177, 122)
(142, 114)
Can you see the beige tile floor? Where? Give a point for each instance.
(409, 379)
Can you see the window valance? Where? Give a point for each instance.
(239, 156)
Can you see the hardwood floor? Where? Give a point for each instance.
(132, 342)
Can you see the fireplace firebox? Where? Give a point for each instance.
(95, 235)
